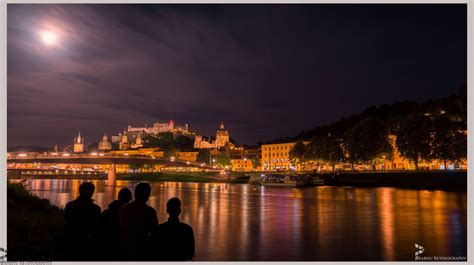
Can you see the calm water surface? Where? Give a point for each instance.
(243, 222)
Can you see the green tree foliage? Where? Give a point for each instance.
(414, 137)
(256, 162)
(222, 159)
(366, 141)
(133, 167)
(298, 152)
(203, 156)
(325, 150)
(166, 141)
(170, 151)
(184, 143)
(448, 142)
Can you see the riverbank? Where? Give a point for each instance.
(442, 180)
(33, 225)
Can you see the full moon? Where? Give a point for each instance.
(49, 37)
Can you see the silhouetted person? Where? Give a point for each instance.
(175, 240)
(109, 228)
(81, 221)
(137, 222)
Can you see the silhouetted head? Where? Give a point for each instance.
(125, 195)
(173, 206)
(86, 190)
(142, 192)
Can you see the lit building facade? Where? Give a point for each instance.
(105, 145)
(124, 144)
(157, 152)
(276, 157)
(222, 136)
(242, 164)
(160, 127)
(187, 156)
(78, 144)
(222, 139)
(137, 142)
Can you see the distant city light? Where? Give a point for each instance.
(22, 155)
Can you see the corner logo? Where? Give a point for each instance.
(419, 249)
(3, 254)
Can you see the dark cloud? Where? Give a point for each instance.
(267, 71)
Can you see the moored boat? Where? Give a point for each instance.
(285, 180)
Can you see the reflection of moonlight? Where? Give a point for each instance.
(49, 37)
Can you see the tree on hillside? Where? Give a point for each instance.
(335, 152)
(316, 150)
(170, 151)
(326, 150)
(298, 152)
(449, 142)
(366, 141)
(165, 139)
(203, 156)
(413, 138)
(183, 143)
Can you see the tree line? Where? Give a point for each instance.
(427, 131)
(418, 137)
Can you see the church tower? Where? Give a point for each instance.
(222, 136)
(78, 144)
(138, 142)
(124, 144)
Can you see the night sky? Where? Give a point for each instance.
(267, 71)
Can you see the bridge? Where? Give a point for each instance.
(102, 158)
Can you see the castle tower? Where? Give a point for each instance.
(78, 144)
(222, 136)
(105, 144)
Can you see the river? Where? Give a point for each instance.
(241, 222)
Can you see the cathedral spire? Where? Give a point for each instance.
(222, 126)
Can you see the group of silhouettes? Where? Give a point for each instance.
(128, 230)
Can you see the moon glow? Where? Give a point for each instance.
(49, 37)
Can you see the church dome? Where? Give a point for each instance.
(105, 144)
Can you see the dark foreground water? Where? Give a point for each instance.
(243, 222)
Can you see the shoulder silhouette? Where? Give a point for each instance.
(175, 240)
(137, 222)
(81, 222)
(109, 227)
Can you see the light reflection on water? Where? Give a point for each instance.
(244, 222)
